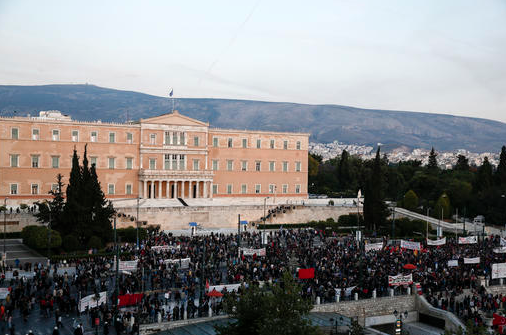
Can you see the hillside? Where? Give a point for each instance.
(326, 123)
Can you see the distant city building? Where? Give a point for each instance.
(162, 157)
(446, 160)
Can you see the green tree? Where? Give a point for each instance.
(410, 201)
(443, 206)
(343, 171)
(279, 311)
(432, 166)
(462, 163)
(484, 177)
(500, 173)
(375, 209)
(53, 210)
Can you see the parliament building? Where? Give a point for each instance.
(163, 157)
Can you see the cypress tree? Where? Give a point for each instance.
(484, 177)
(432, 165)
(73, 212)
(375, 209)
(343, 171)
(500, 173)
(102, 210)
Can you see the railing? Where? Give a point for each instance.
(176, 173)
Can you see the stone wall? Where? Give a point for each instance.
(212, 217)
(373, 311)
(209, 217)
(15, 222)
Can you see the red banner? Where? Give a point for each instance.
(306, 273)
(129, 299)
(498, 320)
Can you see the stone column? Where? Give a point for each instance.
(182, 190)
(205, 195)
(211, 190)
(198, 189)
(167, 189)
(159, 189)
(144, 189)
(175, 189)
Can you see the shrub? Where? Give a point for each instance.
(129, 234)
(37, 237)
(71, 243)
(95, 242)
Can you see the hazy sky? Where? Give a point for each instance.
(438, 56)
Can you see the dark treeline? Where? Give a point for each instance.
(470, 190)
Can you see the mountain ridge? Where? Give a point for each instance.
(325, 122)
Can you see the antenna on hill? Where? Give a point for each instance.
(171, 93)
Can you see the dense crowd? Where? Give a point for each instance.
(175, 290)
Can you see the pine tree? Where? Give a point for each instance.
(432, 165)
(500, 174)
(53, 210)
(462, 163)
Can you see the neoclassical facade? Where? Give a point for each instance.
(164, 157)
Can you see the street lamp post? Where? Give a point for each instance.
(427, 228)
(393, 222)
(116, 289)
(5, 221)
(137, 224)
(398, 324)
(265, 201)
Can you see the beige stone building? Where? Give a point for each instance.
(164, 157)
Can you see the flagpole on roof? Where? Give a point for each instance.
(171, 92)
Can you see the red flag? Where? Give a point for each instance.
(498, 320)
(207, 285)
(306, 273)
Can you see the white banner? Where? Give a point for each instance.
(453, 262)
(441, 241)
(503, 242)
(348, 290)
(183, 262)
(229, 287)
(251, 252)
(400, 280)
(159, 248)
(500, 250)
(91, 302)
(373, 246)
(128, 265)
(498, 270)
(475, 260)
(410, 245)
(468, 240)
(4, 292)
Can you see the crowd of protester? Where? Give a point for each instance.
(175, 290)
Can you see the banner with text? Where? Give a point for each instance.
(468, 240)
(498, 270)
(128, 265)
(91, 301)
(441, 241)
(159, 248)
(500, 250)
(373, 246)
(453, 263)
(251, 252)
(410, 245)
(400, 280)
(503, 242)
(475, 260)
(184, 263)
(4, 292)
